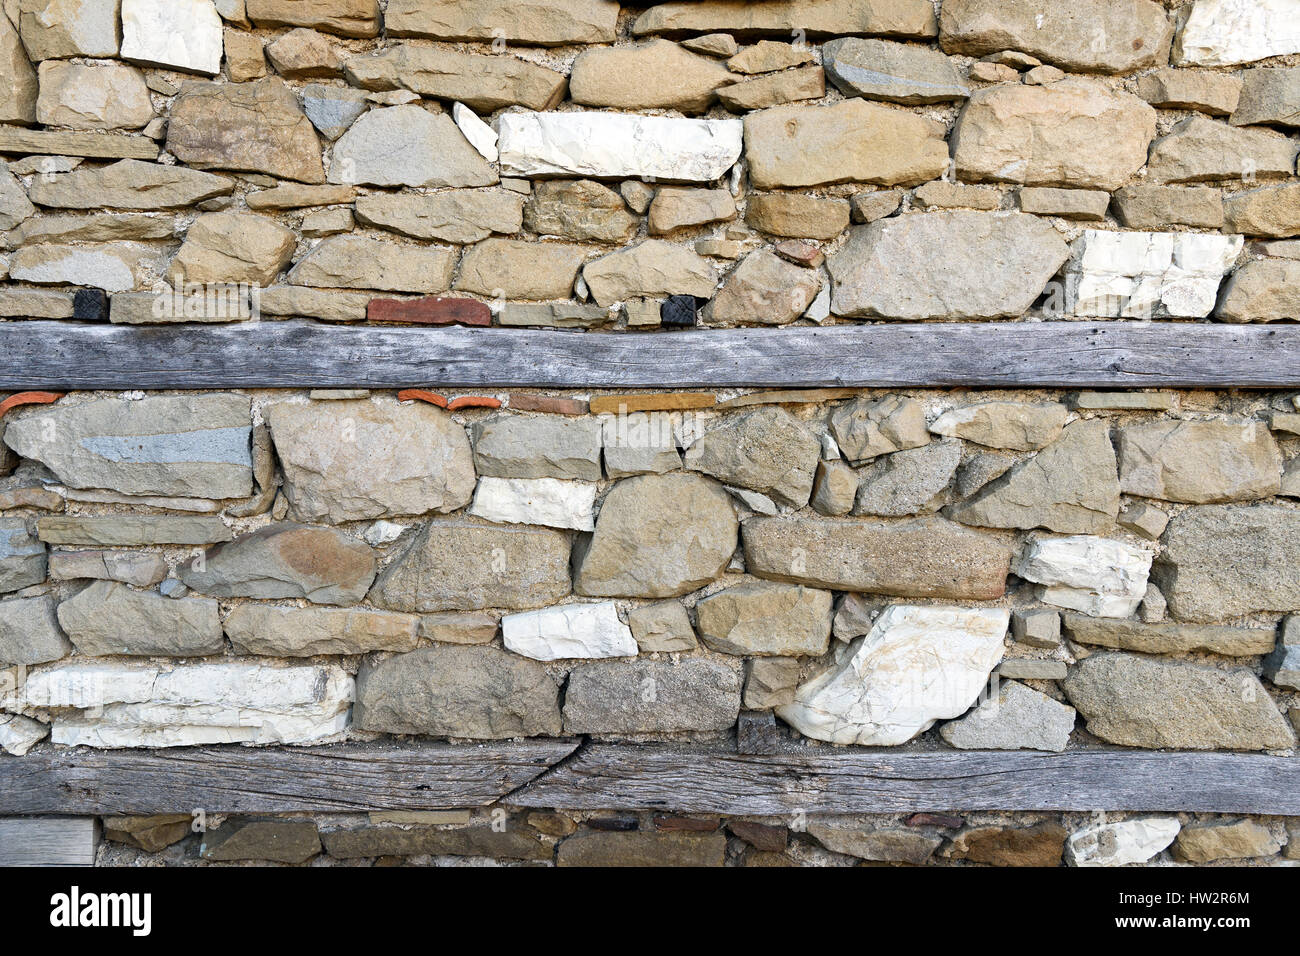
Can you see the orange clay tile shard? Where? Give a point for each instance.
(797, 396)
(473, 401)
(28, 398)
(548, 403)
(652, 403)
(421, 395)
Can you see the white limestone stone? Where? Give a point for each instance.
(480, 135)
(1120, 844)
(545, 501)
(1147, 274)
(917, 665)
(1098, 576)
(180, 34)
(1227, 32)
(19, 734)
(571, 630)
(617, 146)
(383, 532)
(234, 701)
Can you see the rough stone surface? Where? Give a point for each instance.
(22, 556)
(916, 666)
(1199, 462)
(904, 18)
(568, 631)
(924, 557)
(19, 87)
(65, 28)
(1099, 576)
(306, 632)
(1213, 93)
(867, 428)
(536, 501)
(249, 127)
(459, 564)
(774, 89)
(653, 268)
(886, 845)
(853, 141)
(346, 18)
(130, 567)
(108, 618)
(433, 151)
(1038, 845)
(1094, 36)
(234, 247)
(279, 841)
(483, 83)
(651, 697)
(655, 75)
(175, 34)
(132, 530)
(1224, 841)
(1221, 561)
(766, 450)
(1168, 638)
(536, 22)
(182, 445)
(516, 269)
(1272, 211)
(1204, 150)
(581, 210)
(30, 633)
(1269, 96)
(358, 262)
(1045, 135)
(1227, 32)
(898, 72)
(129, 184)
(664, 628)
(1124, 843)
(766, 619)
(285, 560)
(658, 536)
(1017, 718)
(1263, 290)
(517, 446)
(764, 289)
(617, 146)
(1019, 426)
(478, 692)
(908, 482)
(595, 849)
(1145, 702)
(353, 460)
(99, 96)
(1070, 486)
(1159, 207)
(977, 265)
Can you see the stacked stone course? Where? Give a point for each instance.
(928, 569)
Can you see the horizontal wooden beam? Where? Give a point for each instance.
(351, 777)
(302, 354)
(826, 780)
(536, 773)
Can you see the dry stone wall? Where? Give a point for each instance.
(576, 164)
(937, 570)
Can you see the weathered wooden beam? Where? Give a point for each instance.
(299, 354)
(41, 841)
(352, 777)
(614, 777)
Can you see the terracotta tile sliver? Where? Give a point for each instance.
(28, 398)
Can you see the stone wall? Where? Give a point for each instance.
(955, 570)
(936, 570)
(575, 164)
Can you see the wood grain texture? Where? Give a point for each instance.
(349, 777)
(303, 354)
(59, 841)
(616, 777)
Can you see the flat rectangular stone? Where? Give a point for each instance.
(617, 146)
(15, 139)
(1123, 401)
(328, 306)
(669, 401)
(306, 632)
(1168, 638)
(132, 530)
(1030, 668)
(35, 304)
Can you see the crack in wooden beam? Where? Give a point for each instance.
(304, 354)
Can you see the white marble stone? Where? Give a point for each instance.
(1227, 32)
(480, 135)
(545, 501)
(1120, 844)
(916, 665)
(1098, 576)
(20, 734)
(180, 34)
(1147, 274)
(617, 146)
(567, 631)
(231, 701)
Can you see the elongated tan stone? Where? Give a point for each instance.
(905, 18)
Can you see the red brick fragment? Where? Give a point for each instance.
(473, 401)
(421, 395)
(761, 836)
(29, 398)
(429, 310)
(800, 253)
(933, 820)
(546, 403)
